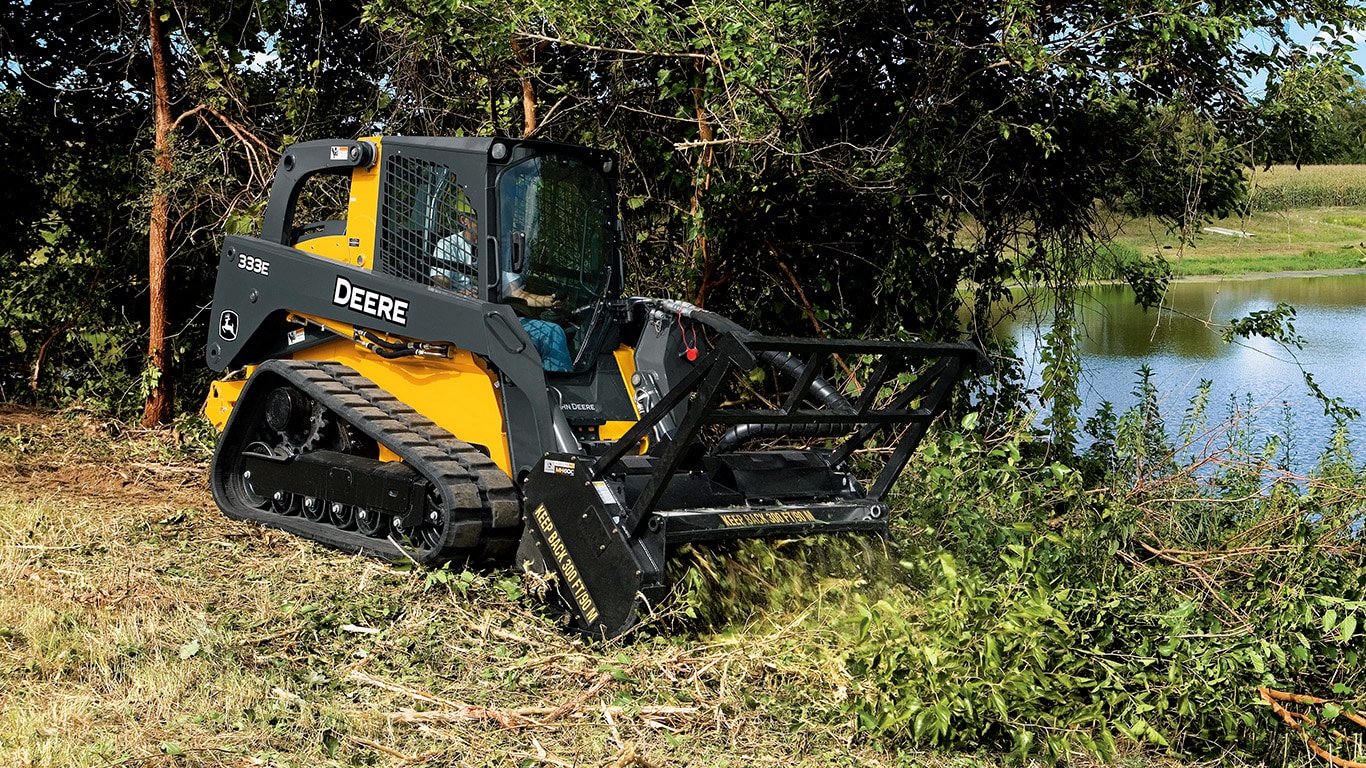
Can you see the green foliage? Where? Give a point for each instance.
(783, 162)
(787, 160)
(1317, 107)
(1043, 615)
(245, 79)
(1343, 138)
(1061, 358)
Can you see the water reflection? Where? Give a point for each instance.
(1182, 344)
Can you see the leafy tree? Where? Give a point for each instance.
(123, 161)
(852, 165)
(1337, 136)
(69, 244)
(860, 139)
(832, 167)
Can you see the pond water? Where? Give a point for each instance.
(1182, 345)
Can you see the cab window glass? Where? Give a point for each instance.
(555, 222)
(430, 231)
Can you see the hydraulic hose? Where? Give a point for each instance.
(784, 362)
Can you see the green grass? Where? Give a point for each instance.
(1310, 218)
(1308, 239)
(1196, 266)
(140, 627)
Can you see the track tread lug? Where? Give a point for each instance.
(485, 506)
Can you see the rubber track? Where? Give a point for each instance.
(484, 519)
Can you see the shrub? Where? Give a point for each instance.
(1043, 613)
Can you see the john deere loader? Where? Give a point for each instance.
(445, 368)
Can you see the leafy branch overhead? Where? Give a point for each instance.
(863, 142)
(855, 143)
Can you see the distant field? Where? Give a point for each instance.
(1297, 239)
(1307, 218)
(1283, 187)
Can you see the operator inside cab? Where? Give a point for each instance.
(555, 214)
(454, 262)
(546, 333)
(454, 267)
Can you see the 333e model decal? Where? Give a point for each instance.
(253, 264)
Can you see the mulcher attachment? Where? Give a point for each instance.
(599, 526)
(604, 578)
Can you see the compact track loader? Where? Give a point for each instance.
(445, 367)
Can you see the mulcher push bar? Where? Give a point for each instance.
(927, 392)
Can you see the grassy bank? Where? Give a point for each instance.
(1282, 241)
(1017, 610)
(1311, 218)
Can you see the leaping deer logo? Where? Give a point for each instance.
(227, 325)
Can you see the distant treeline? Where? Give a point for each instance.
(1338, 137)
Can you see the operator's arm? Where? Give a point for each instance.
(538, 300)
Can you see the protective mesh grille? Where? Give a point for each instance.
(561, 232)
(421, 229)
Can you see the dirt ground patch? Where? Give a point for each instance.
(80, 458)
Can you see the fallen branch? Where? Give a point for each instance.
(1296, 720)
(1300, 698)
(511, 720)
(1200, 575)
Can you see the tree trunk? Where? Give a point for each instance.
(528, 89)
(701, 182)
(158, 407)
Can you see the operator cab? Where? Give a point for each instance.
(559, 269)
(557, 236)
(529, 224)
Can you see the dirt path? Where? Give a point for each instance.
(76, 459)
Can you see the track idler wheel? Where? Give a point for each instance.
(313, 509)
(282, 503)
(243, 480)
(426, 534)
(371, 523)
(341, 515)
